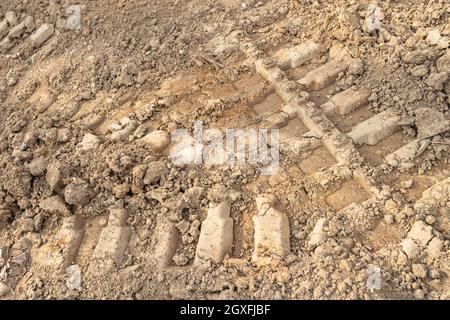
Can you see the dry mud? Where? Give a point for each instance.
(92, 204)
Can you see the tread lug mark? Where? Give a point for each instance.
(272, 231)
(375, 129)
(62, 250)
(112, 243)
(216, 235)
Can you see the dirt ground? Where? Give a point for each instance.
(94, 206)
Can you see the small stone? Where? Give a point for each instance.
(115, 127)
(407, 184)
(434, 274)
(12, 19)
(86, 95)
(141, 131)
(419, 295)
(78, 194)
(420, 233)
(5, 215)
(121, 190)
(6, 44)
(348, 243)
(158, 140)
(409, 212)
(89, 142)
(437, 80)
(402, 258)
(318, 235)
(443, 63)
(435, 247)
(63, 135)
(419, 270)
(411, 42)
(415, 57)
(103, 222)
(155, 171)
(410, 248)
(433, 37)
(138, 174)
(342, 287)
(29, 24)
(12, 81)
(20, 259)
(26, 225)
(391, 206)
(17, 31)
(180, 260)
(430, 219)
(54, 176)
(38, 167)
(95, 121)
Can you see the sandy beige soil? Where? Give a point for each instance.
(92, 204)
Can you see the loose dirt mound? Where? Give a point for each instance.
(93, 203)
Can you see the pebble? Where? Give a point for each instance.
(54, 176)
(38, 167)
(155, 171)
(420, 233)
(78, 194)
(435, 247)
(12, 19)
(418, 294)
(433, 37)
(410, 248)
(419, 270)
(89, 142)
(12, 81)
(158, 140)
(419, 71)
(407, 184)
